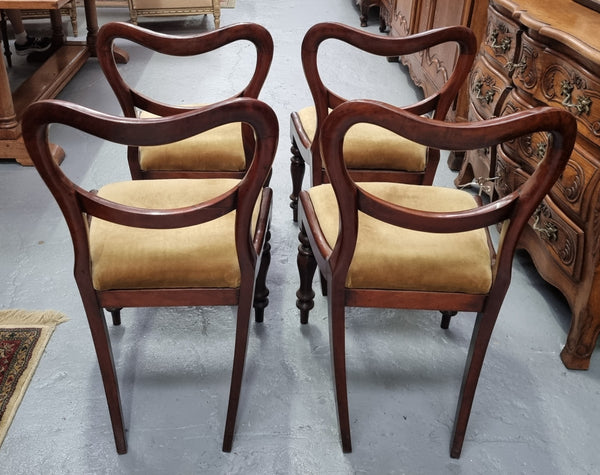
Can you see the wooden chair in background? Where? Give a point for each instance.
(226, 151)
(172, 242)
(372, 153)
(393, 245)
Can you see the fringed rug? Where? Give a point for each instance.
(23, 337)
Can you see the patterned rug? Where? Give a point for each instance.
(23, 337)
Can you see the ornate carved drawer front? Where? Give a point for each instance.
(575, 185)
(501, 40)
(556, 80)
(526, 151)
(488, 87)
(578, 176)
(562, 239)
(526, 71)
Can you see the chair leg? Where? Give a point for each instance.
(239, 357)
(73, 16)
(323, 284)
(297, 167)
(101, 341)
(482, 332)
(337, 337)
(261, 291)
(116, 315)
(446, 317)
(306, 269)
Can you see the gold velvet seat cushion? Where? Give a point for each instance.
(218, 149)
(368, 146)
(390, 257)
(133, 258)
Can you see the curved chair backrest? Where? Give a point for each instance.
(438, 103)
(514, 209)
(182, 46)
(74, 200)
(134, 102)
(375, 156)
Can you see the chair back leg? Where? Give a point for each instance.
(239, 357)
(337, 332)
(482, 332)
(101, 339)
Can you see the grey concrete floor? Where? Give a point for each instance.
(531, 415)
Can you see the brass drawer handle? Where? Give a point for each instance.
(548, 231)
(584, 103)
(504, 45)
(511, 66)
(488, 98)
(541, 150)
(485, 184)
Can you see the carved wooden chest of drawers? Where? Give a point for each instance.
(430, 69)
(541, 52)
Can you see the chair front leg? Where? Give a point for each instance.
(261, 292)
(306, 269)
(297, 167)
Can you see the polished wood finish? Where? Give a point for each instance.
(79, 207)
(535, 53)
(133, 101)
(305, 150)
(514, 211)
(48, 80)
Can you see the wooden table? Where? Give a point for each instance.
(66, 58)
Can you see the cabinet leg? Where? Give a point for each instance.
(455, 160)
(581, 341)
